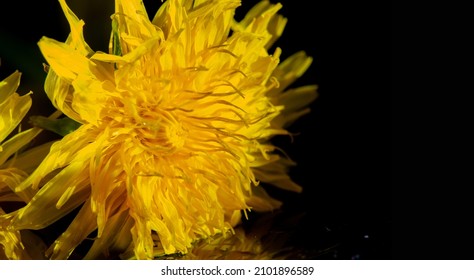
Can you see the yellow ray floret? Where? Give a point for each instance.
(176, 121)
(13, 108)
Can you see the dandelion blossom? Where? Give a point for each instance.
(175, 126)
(13, 109)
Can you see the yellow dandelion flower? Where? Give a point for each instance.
(13, 109)
(176, 122)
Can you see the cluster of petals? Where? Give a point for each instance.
(175, 120)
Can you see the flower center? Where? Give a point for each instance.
(162, 132)
(176, 135)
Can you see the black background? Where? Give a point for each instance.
(342, 149)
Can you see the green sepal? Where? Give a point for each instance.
(116, 48)
(61, 126)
